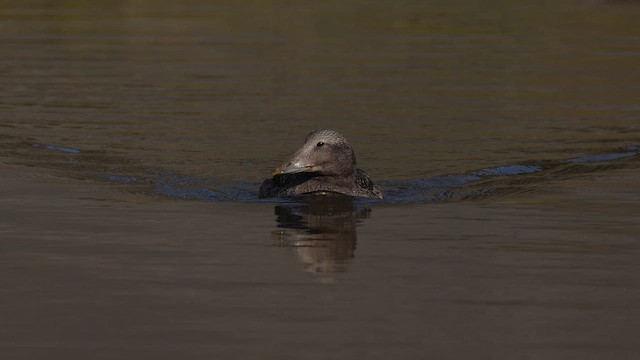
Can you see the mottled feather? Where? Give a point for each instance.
(324, 164)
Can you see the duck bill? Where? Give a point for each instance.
(291, 168)
(299, 162)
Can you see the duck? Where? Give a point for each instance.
(324, 165)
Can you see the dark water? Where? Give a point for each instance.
(134, 136)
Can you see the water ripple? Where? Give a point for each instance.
(496, 181)
(57, 148)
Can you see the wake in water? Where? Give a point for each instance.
(507, 180)
(494, 181)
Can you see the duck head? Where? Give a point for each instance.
(325, 152)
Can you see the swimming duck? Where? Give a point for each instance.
(325, 164)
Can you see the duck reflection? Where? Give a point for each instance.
(321, 231)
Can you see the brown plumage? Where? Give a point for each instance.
(326, 163)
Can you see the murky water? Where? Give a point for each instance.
(134, 136)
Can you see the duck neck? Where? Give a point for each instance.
(344, 179)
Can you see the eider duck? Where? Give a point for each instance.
(325, 164)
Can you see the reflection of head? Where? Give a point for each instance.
(322, 231)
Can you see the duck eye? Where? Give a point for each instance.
(320, 143)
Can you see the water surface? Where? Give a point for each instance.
(134, 136)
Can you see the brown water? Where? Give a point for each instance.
(134, 135)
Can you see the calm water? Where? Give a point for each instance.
(134, 136)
